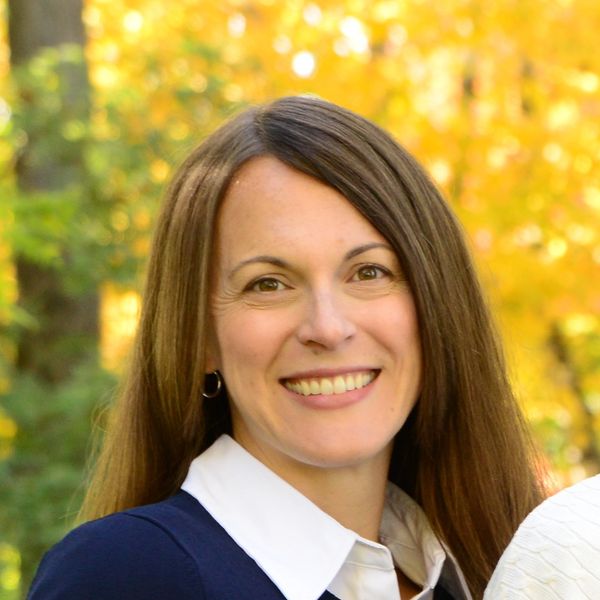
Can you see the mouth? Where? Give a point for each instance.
(327, 386)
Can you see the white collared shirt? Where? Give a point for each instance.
(287, 535)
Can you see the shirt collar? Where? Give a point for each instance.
(269, 519)
(406, 531)
(277, 526)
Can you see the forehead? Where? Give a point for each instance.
(270, 206)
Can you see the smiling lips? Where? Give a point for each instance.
(327, 386)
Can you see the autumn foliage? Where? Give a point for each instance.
(500, 101)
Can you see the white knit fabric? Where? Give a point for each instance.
(555, 553)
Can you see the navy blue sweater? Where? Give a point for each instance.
(172, 549)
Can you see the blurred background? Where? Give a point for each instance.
(101, 99)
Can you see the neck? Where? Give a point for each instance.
(353, 495)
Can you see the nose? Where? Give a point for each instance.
(325, 325)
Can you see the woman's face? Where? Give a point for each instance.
(316, 333)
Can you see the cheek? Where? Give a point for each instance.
(248, 340)
(396, 321)
(400, 334)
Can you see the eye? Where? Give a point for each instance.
(369, 272)
(266, 284)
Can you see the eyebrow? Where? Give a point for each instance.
(263, 258)
(282, 264)
(365, 248)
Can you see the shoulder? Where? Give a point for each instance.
(556, 550)
(132, 554)
(572, 515)
(171, 549)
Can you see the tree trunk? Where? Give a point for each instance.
(65, 322)
(590, 458)
(65, 330)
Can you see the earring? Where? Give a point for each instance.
(217, 387)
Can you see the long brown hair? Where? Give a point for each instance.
(464, 454)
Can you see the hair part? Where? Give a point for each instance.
(464, 453)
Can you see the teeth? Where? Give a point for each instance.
(350, 383)
(331, 385)
(339, 385)
(326, 387)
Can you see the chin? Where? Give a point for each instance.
(343, 453)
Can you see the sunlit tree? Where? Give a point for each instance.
(500, 100)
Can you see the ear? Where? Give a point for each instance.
(212, 360)
(210, 364)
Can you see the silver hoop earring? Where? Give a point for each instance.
(217, 387)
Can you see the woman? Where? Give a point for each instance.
(312, 328)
